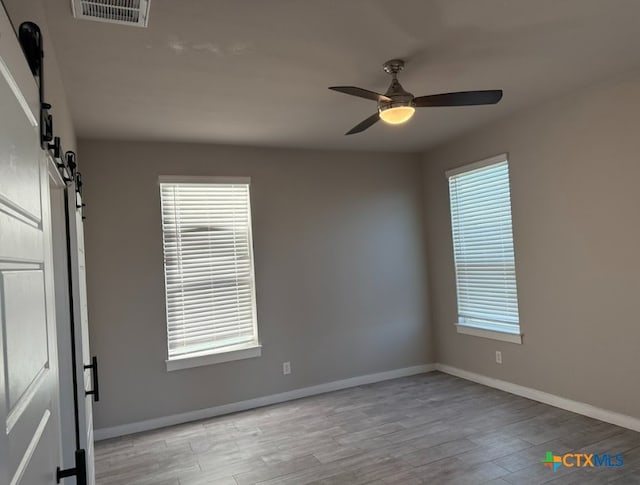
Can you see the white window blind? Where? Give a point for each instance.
(483, 246)
(208, 265)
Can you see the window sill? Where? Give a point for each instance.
(245, 352)
(514, 338)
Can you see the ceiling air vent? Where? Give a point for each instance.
(127, 12)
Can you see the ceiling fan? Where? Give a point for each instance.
(398, 106)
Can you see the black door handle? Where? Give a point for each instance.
(94, 373)
(79, 471)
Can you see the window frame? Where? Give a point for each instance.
(225, 354)
(512, 335)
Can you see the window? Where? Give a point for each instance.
(208, 268)
(483, 250)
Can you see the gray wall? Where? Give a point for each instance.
(340, 272)
(575, 172)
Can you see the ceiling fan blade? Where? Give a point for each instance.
(361, 93)
(363, 125)
(463, 98)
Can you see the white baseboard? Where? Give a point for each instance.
(544, 397)
(125, 429)
(534, 394)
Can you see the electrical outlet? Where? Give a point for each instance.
(286, 368)
(498, 357)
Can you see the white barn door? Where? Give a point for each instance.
(30, 432)
(83, 355)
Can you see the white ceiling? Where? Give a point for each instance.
(257, 72)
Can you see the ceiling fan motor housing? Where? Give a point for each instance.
(399, 96)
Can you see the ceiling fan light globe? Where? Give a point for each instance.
(397, 114)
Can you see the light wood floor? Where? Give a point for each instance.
(432, 428)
